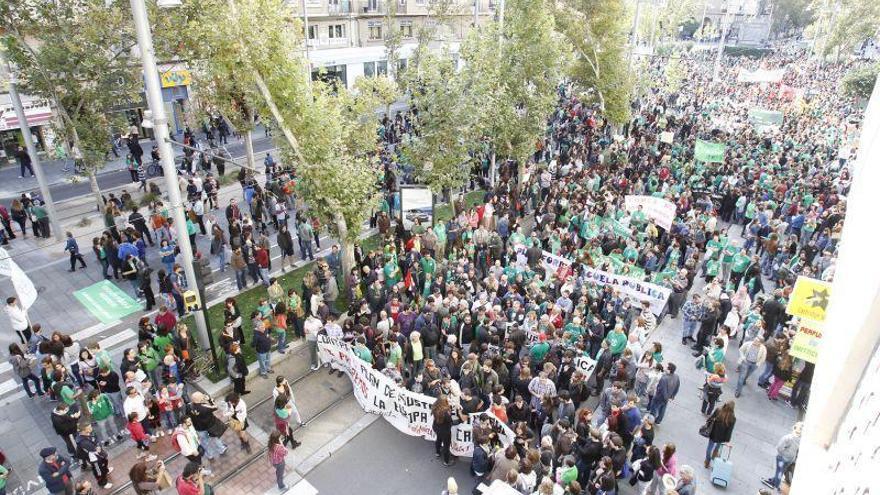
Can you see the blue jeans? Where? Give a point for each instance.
(710, 450)
(263, 361)
(170, 419)
(305, 246)
(657, 408)
(780, 468)
(213, 446)
(241, 279)
(282, 342)
(25, 383)
(688, 328)
(766, 374)
(264, 276)
(746, 371)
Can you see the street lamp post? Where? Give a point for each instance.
(160, 128)
(716, 69)
(32, 150)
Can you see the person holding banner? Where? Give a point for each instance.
(442, 427)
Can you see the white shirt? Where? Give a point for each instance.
(17, 317)
(240, 411)
(135, 405)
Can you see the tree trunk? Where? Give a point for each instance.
(346, 256)
(96, 190)
(249, 152)
(493, 174)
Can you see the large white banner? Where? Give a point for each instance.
(642, 291)
(760, 75)
(661, 211)
(407, 411)
(24, 286)
(551, 263)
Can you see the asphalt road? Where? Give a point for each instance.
(62, 190)
(382, 460)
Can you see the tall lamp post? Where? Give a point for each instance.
(31, 149)
(166, 153)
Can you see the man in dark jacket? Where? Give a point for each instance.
(54, 469)
(64, 421)
(263, 346)
(667, 389)
(91, 453)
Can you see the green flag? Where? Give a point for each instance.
(708, 152)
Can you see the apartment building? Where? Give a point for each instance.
(346, 38)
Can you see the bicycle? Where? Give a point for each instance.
(154, 169)
(196, 369)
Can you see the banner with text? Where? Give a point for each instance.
(661, 211)
(551, 263)
(642, 291)
(760, 75)
(707, 152)
(407, 411)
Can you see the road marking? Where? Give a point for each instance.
(78, 336)
(107, 343)
(301, 488)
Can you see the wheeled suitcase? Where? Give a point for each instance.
(722, 467)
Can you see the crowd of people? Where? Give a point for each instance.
(466, 311)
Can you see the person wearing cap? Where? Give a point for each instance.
(54, 470)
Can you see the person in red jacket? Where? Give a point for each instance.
(262, 257)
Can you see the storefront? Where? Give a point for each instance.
(175, 82)
(39, 118)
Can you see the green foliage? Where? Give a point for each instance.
(597, 31)
(856, 21)
(75, 54)
(444, 134)
(383, 88)
(791, 15)
(859, 82)
(513, 80)
(674, 74)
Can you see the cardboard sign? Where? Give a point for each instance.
(809, 299)
(661, 211)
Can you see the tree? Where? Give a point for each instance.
(443, 132)
(75, 54)
(854, 22)
(383, 88)
(327, 131)
(597, 32)
(791, 16)
(513, 75)
(859, 82)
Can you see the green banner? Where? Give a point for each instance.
(761, 118)
(107, 302)
(708, 152)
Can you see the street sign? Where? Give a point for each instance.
(107, 302)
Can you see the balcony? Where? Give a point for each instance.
(341, 7)
(371, 7)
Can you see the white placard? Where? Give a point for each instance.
(661, 211)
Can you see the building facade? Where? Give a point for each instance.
(346, 38)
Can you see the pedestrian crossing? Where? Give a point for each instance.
(10, 388)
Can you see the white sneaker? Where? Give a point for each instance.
(207, 472)
(315, 367)
(109, 469)
(161, 433)
(107, 486)
(170, 432)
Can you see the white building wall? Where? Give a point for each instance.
(840, 450)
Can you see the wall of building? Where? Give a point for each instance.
(840, 449)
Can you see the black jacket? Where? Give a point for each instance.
(720, 432)
(64, 424)
(261, 342)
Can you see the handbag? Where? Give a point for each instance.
(235, 424)
(164, 480)
(706, 429)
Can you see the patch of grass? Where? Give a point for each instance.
(249, 299)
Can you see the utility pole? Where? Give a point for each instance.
(717, 67)
(634, 36)
(166, 153)
(31, 149)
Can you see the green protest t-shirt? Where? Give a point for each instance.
(729, 253)
(741, 262)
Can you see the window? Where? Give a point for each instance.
(406, 29)
(336, 31)
(374, 31)
(401, 65)
(373, 69)
(313, 32)
(420, 2)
